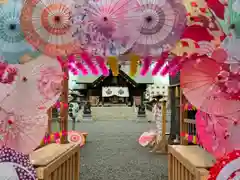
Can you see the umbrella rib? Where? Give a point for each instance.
(193, 89)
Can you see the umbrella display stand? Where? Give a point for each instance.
(188, 162)
(57, 161)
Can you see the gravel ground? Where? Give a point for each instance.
(112, 153)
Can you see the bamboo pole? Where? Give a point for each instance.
(64, 110)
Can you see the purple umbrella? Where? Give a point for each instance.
(15, 165)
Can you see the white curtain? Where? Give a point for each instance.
(115, 91)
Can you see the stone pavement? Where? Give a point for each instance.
(113, 153)
(120, 113)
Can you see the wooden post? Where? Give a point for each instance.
(164, 114)
(49, 112)
(183, 127)
(64, 110)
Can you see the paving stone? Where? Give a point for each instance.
(113, 153)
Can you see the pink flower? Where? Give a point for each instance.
(50, 83)
(223, 76)
(232, 86)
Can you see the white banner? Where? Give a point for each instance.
(115, 91)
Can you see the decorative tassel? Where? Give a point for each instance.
(79, 65)
(174, 65)
(90, 64)
(146, 65)
(134, 60)
(165, 70)
(160, 63)
(113, 63)
(173, 71)
(102, 65)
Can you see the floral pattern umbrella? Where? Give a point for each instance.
(15, 165)
(38, 86)
(12, 40)
(104, 26)
(21, 132)
(211, 86)
(217, 134)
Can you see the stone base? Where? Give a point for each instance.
(141, 115)
(87, 117)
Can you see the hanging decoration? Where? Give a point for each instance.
(51, 138)
(113, 63)
(190, 138)
(134, 62)
(189, 107)
(12, 40)
(48, 26)
(226, 167)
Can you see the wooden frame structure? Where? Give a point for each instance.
(58, 161)
(186, 162)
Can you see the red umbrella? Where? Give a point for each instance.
(217, 7)
(48, 26)
(211, 86)
(192, 32)
(227, 167)
(217, 134)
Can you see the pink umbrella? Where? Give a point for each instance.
(211, 86)
(162, 23)
(217, 134)
(75, 137)
(146, 138)
(105, 26)
(8, 75)
(21, 132)
(38, 86)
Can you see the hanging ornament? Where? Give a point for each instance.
(113, 63)
(134, 61)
